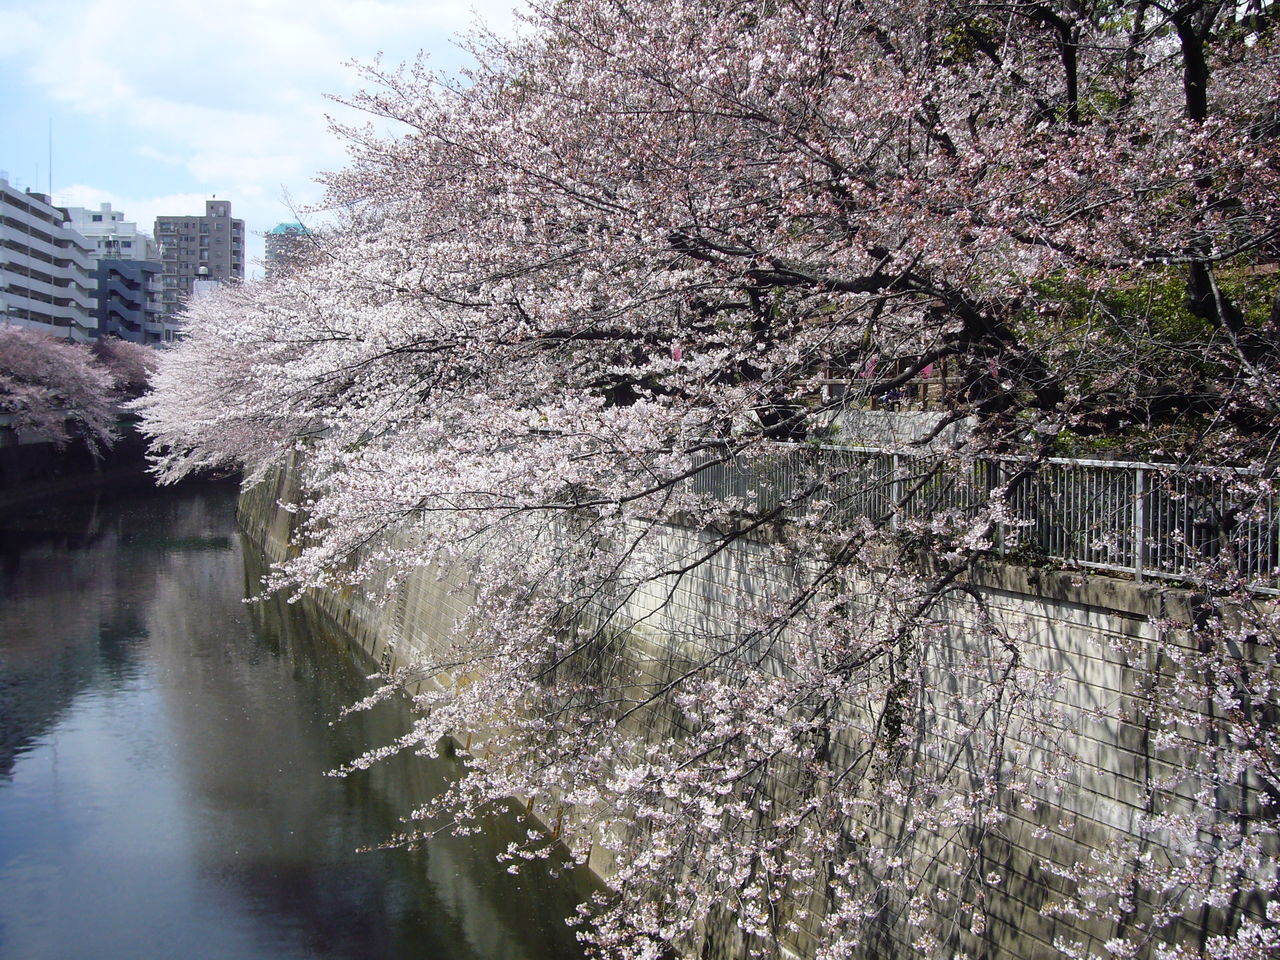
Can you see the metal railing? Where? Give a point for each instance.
(1144, 519)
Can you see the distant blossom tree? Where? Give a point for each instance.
(618, 259)
(131, 365)
(53, 390)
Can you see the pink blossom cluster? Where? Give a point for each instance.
(577, 301)
(55, 390)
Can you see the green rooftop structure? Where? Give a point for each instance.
(282, 244)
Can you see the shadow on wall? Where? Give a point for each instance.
(30, 471)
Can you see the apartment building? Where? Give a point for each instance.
(129, 305)
(287, 245)
(46, 267)
(128, 272)
(199, 248)
(113, 237)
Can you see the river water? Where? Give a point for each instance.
(163, 757)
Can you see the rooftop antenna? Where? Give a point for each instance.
(51, 159)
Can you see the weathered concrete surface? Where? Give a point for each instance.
(1100, 634)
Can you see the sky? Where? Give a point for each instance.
(159, 105)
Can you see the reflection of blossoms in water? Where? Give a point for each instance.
(61, 583)
(139, 719)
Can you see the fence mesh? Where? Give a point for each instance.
(1144, 519)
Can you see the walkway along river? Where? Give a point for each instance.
(163, 750)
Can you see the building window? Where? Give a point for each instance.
(97, 218)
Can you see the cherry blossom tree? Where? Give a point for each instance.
(130, 365)
(53, 391)
(214, 402)
(582, 291)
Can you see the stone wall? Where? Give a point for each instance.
(1098, 633)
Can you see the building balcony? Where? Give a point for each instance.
(62, 315)
(24, 261)
(75, 255)
(118, 287)
(44, 291)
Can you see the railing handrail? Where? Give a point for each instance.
(1139, 518)
(906, 451)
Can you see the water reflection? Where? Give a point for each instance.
(162, 754)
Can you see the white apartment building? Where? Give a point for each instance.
(128, 276)
(113, 237)
(46, 267)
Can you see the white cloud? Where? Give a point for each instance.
(151, 153)
(235, 53)
(19, 25)
(231, 92)
(140, 210)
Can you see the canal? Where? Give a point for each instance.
(163, 756)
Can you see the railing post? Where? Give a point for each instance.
(895, 492)
(1139, 522)
(998, 482)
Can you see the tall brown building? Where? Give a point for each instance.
(199, 248)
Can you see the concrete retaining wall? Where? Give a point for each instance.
(1099, 634)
